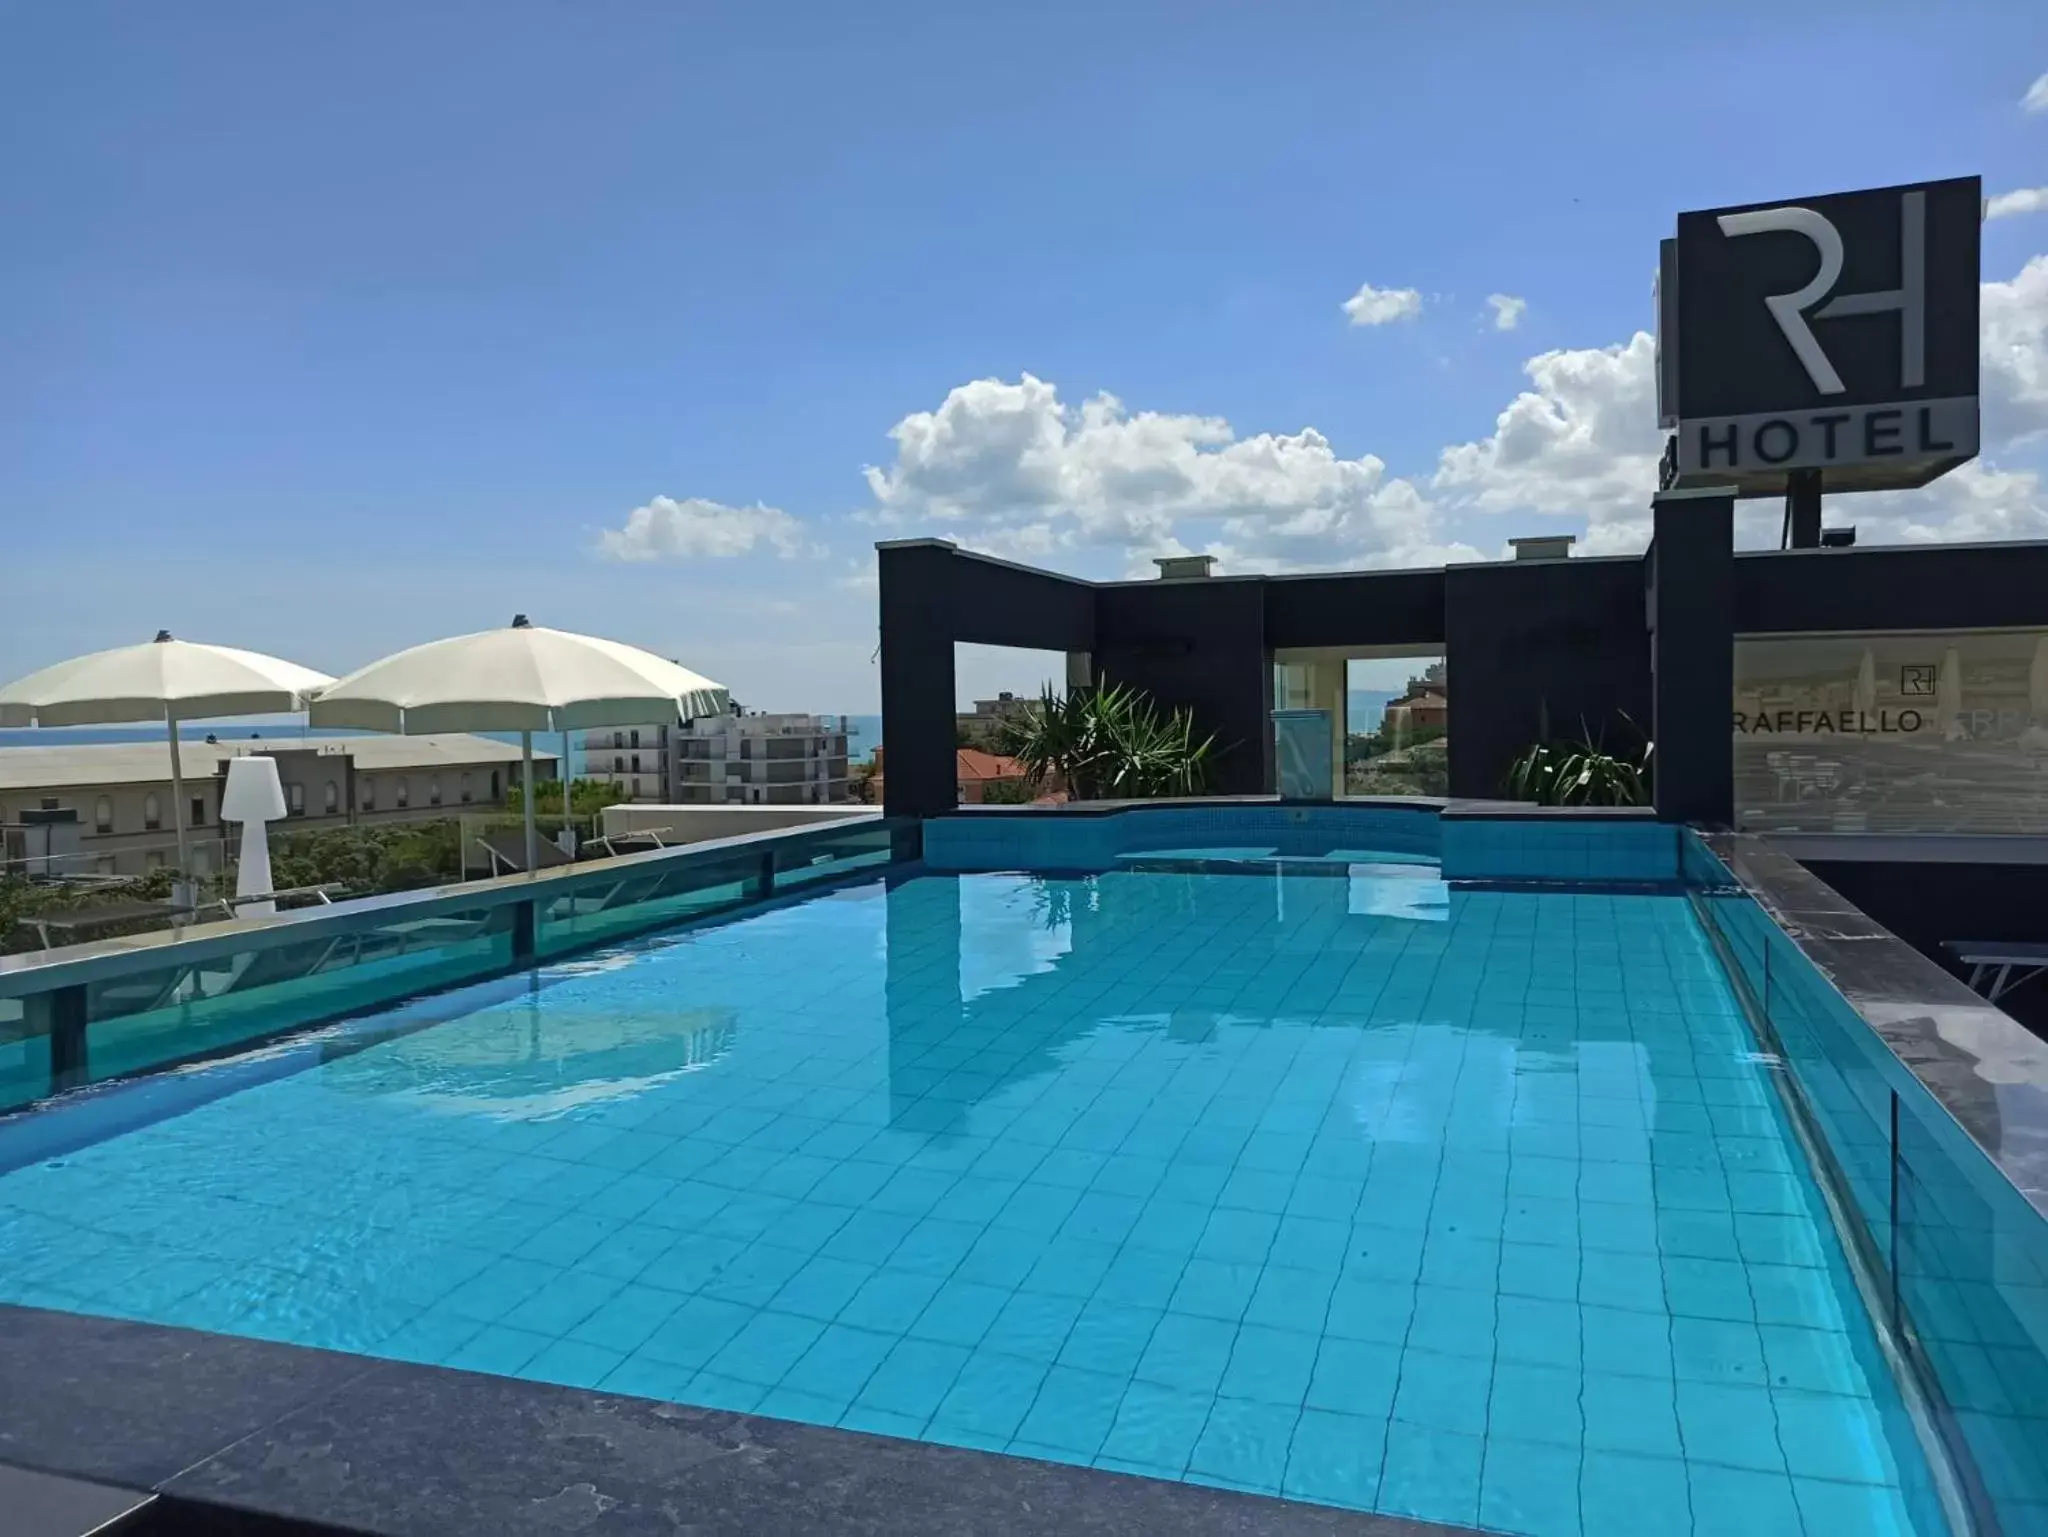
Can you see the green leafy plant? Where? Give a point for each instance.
(1008, 792)
(1110, 742)
(394, 856)
(22, 899)
(1394, 761)
(587, 797)
(1581, 773)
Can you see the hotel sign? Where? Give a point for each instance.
(1836, 334)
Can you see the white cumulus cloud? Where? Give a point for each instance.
(693, 528)
(1012, 469)
(2005, 205)
(1507, 310)
(1582, 440)
(2036, 99)
(2013, 322)
(1975, 502)
(1372, 306)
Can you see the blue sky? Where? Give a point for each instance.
(325, 330)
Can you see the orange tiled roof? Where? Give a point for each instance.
(973, 763)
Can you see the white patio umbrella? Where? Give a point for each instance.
(164, 679)
(523, 678)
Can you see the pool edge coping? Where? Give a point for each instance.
(1918, 1012)
(368, 1444)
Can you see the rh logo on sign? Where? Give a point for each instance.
(1916, 681)
(1789, 309)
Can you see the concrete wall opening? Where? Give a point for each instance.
(996, 687)
(1389, 709)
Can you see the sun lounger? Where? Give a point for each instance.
(72, 924)
(1999, 966)
(637, 839)
(507, 853)
(325, 892)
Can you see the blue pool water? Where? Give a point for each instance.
(1471, 1206)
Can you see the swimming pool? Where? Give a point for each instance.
(1471, 1205)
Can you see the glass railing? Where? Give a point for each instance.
(1956, 1251)
(184, 1009)
(86, 1013)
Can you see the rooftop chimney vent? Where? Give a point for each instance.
(1545, 547)
(1178, 568)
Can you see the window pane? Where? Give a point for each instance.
(1926, 733)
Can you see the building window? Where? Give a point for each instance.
(367, 789)
(496, 793)
(152, 812)
(404, 792)
(154, 859)
(104, 865)
(434, 790)
(464, 782)
(103, 814)
(618, 765)
(636, 738)
(295, 800)
(636, 759)
(1887, 734)
(330, 798)
(198, 811)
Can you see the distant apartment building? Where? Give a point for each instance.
(984, 723)
(1425, 704)
(635, 758)
(120, 792)
(760, 759)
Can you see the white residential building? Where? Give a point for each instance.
(982, 727)
(759, 760)
(739, 759)
(635, 758)
(115, 797)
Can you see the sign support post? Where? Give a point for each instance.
(1802, 510)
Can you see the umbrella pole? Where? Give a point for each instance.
(568, 825)
(177, 796)
(526, 798)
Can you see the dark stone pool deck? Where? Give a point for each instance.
(242, 1436)
(1981, 1065)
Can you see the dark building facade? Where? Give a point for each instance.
(1624, 647)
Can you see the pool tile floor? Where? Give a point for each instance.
(1478, 1211)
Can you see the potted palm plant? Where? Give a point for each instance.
(1110, 742)
(1580, 773)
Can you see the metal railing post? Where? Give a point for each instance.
(60, 1014)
